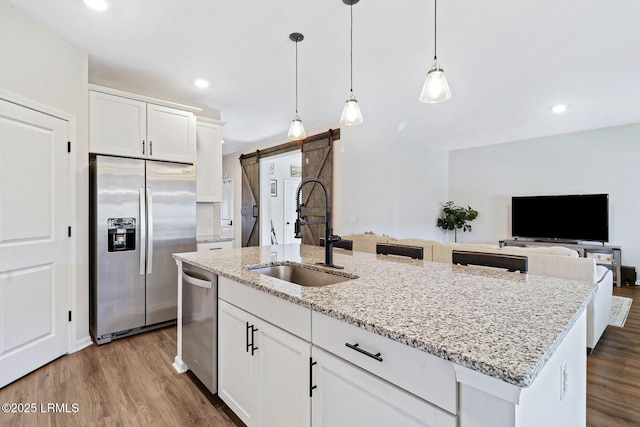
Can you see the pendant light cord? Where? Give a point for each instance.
(435, 32)
(351, 7)
(296, 77)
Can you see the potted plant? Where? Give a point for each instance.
(456, 217)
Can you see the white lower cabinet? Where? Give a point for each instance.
(280, 365)
(262, 370)
(348, 396)
(237, 368)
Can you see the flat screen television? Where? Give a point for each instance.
(562, 218)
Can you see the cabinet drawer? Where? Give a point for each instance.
(215, 245)
(350, 397)
(420, 373)
(291, 317)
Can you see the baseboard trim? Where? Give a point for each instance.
(179, 365)
(83, 343)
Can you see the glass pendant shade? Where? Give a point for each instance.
(351, 114)
(436, 88)
(296, 130)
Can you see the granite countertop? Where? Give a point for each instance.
(505, 325)
(213, 238)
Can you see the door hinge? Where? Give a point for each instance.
(68, 146)
(69, 231)
(69, 315)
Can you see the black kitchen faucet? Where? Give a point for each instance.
(329, 237)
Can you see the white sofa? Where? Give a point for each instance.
(553, 261)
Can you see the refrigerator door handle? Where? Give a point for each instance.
(150, 230)
(143, 231)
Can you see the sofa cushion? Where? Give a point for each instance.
(549, 250)
(569, 268)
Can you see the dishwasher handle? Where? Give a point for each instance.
(195, 281)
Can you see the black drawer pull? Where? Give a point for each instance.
(247, 337)
(357, 348)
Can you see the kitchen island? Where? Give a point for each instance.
(504, 348)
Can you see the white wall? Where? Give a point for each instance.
(599, 161)
(388, 185)
(381, 183)
(38, 65)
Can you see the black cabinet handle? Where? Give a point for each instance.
(311, 386)
(253, 339)
(357, 348)
(247, 337)
(151, 148)
(143, 147)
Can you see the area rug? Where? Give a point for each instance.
(619, 310)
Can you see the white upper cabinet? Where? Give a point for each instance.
(117, 125)
(132, 127)
(171, 133)
(208, 160)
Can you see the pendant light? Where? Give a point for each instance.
(435, 88)
(296, 130)
(351, 114)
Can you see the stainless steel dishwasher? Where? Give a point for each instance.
(200, 324)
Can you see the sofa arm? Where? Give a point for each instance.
(599, 308)
(601, 273)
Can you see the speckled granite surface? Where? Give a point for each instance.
(213, 239)
(505, 325)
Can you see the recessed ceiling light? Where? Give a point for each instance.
(201, 83)
(222, 141)
(560, 108)
(99, 5)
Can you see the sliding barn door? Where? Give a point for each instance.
(250, 200)
(317, 162)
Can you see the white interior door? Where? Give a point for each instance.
(34, 243)
(226, 210)
(290, 187)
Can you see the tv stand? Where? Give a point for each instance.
(608, 256)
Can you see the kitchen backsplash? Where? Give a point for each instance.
(208, 219)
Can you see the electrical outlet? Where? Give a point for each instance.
(564, 380)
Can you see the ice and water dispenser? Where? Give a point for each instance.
(122, 234)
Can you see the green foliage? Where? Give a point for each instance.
(456, 217)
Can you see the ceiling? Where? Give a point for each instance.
(507, 62)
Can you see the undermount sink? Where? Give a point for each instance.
(301, 275)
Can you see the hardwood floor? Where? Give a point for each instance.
(613, 371)
(130, 382)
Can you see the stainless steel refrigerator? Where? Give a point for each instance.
(141, 212)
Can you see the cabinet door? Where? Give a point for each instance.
(347, 396)
(117, 125)
(237, 368)
(171, 134)
(209, 162)
(284, 378)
